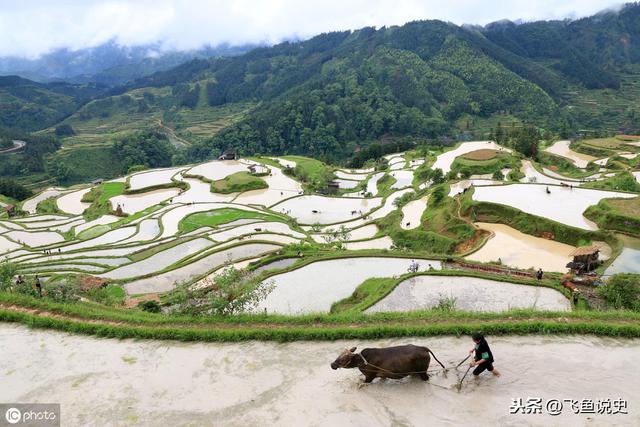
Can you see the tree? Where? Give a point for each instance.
(64, 130)
(622, 291)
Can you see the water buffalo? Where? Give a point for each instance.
(391, 362)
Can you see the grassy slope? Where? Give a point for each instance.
(220, 216)
(238, 182)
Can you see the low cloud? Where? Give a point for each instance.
(31, 28)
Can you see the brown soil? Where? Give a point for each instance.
(483, 154)
(133, 302)
(548, 235)
(470, 244)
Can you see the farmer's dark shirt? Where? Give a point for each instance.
(483, 349)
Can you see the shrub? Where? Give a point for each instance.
(622, 291)
(150, 306)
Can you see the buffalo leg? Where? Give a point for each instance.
(424, 376)
(369, 377)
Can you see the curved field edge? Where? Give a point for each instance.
(93, 319)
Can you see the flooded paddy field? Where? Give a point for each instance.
(326, 210)
(516, 249)
(266, 383)
(561, 204)
(314, 287)
(152, 178)
(629, 259)
(469, 294)
(168, 280)
(561, 148)
(72, 202)
(445, 160)
(132, 203)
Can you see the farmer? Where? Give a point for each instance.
(539, 274)
(483, 358)
(38, 285)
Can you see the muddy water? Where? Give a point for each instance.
(314, 287)
(561, 204)
(218, 169)
(445, 160)
(532, 175)
(412, 212)
(102, 382)
(160, 260)
(168, 280)
(72, 203)
(156, 177)
(328, 210)
(629, 259)
(460, 186)
(380, 243)
(470, 294)
(561, 148)
(520, 250)
(403, 179)
(132, 203)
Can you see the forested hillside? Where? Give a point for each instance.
(336, 93)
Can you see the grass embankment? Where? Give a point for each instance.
(565, 167)
(375, 289)
(617, 214)
(311, 172)
(94, 319)
(220, 216)
(623, 181)
(238, 182)
(99, 198)
(484, 161)
(48, 206)
(534, 225)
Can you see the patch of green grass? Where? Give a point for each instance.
(48, 206)
(220, 216)
(93, 232)
(623, 181)
(238, 182)
(145, 253)
(313, 173)
(617, 214)
(467, 167)
(565, 167)
(99, 198)
(365, 295)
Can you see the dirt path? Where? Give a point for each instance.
(17, 145)
(173, 135)
(110, 382)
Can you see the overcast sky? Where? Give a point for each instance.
(32, 27)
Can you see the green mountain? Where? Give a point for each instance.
(29, 106)
(336, 93)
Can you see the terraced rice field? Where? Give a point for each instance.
(170, 236)
(560, 204)
(469, 294)
(314, 287)
(510, 247)
(445, 160)
(561, 148)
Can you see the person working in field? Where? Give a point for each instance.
(483, 358)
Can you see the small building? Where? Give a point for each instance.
(11, 210)
(258, 170)
(333, 187)
(97, 181)
(229, 154)
(585, 259)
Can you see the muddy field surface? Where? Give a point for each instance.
(109, 382)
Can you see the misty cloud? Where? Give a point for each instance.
(31, 28)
